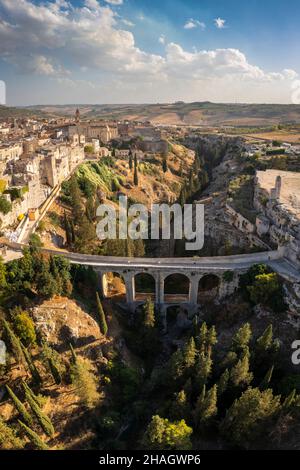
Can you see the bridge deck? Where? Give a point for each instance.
(218, 263)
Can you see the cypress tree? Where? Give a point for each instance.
(37, 399)
(149, 315)
(209, 406)
(130, 161)
(180, 407)
(241, 338)
(202, 338)
(212, 337)
(67, 230)
(199, 404)
(54, 371)
(265, 341)
(223, 382)
(31, 366)
(189, 354)
(20, 407)
(195, 326)
(203, 368)
(267, 379)
(182, 196)
(135, 176)
(73, 354)
(240, 374)
(290, 399)
(15, 343)
(165, 164)
(33, 437)
(73, 237)
(101, 315)
(41, 417)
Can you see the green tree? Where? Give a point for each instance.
(33, 437)
(267, 379)
(206, 408)
(14, 342)
(8, 437)
(241, 338)
(180, 407)
(84, 382)
(3, 282)
(203, 368)
(223, 382)
(163, 434)
(265, 341)
(68, 230)
(165, 164)
(31, 366)
(249, 415)
(101, 316)
(43, 420)
(149, 314)
(5, 205)
(24, 328)
(290, 400)
(211, 337)
(53, 361)
(75, 198)
(264, 288)
(202, 338)
(20, 407)
(135, 175)
(130, 161)
(240, 374)
(189, 354)
(90, 208)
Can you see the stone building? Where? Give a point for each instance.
(93, 130)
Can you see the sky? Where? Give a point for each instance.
(149, 51)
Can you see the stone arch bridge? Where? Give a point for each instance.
(218, 275)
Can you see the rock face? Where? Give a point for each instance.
(60, 320)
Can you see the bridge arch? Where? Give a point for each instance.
(113, 284)
(176, 288)
(145, 286)
(208, 287)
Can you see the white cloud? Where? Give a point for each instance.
(191, 24)
(128, 23)
(114, 2)
(220, 23)
(58, 40)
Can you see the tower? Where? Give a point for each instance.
(77, 115)
(278, 187)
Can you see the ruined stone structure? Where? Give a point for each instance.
(277, 198)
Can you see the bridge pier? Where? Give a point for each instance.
(194, 285)
(102, 282)
(159, 289)
(130, 290)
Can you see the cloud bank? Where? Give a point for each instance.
(59, 40)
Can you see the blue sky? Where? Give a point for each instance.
(119, 51)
